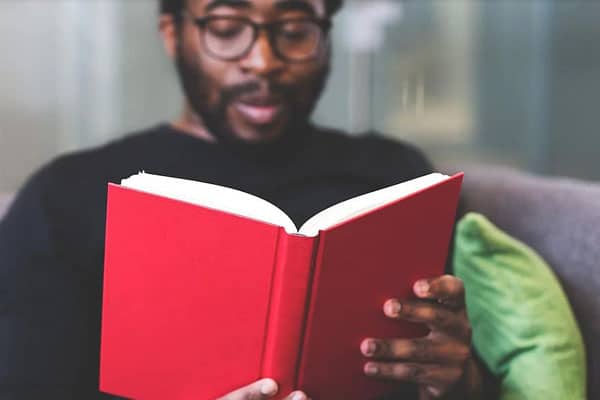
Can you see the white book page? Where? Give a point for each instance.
(359, 205)
(211, 196)
(246, 205)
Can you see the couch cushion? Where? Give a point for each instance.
(560, 219)
(523, 326)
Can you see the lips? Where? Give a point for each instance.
(259, 108)
(259, 114)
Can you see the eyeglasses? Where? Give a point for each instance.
(292, 40)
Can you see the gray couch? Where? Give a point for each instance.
(560, 218)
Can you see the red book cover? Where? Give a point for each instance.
(359, 265)
(199, 302)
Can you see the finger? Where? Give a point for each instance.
(438, 376)
(438, 317)
(423, 350)
(434, 315)
(263, 389)
(297, 396)
(447, 289)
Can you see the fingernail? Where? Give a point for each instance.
(368, 347)
(299, 396)
(422, 287)
(371, 369)
(268, 387)
(392, 308)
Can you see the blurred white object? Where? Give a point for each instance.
(365, 23)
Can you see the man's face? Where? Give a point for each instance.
(259, 96)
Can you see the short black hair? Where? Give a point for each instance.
(175, 7)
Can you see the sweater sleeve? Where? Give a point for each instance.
(47, 338)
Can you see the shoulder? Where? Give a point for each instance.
(116, 150)
(395, 149)
(370, 142)
(374, 150)
(99, 162)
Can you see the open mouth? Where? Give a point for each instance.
(259, 114)
(259, 108)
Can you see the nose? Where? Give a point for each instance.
(262, 60)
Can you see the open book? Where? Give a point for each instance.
(208, 288)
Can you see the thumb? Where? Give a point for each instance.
(262, 389)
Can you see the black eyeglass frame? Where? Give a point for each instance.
(271, 28)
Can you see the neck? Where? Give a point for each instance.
(191, 124)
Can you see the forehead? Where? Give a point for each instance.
(266, 7)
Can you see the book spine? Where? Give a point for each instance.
(287, 312)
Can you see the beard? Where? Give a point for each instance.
(301, 98)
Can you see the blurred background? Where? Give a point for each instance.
(513, 82)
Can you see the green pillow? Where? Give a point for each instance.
(523, 325)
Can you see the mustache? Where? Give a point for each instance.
(256, 87)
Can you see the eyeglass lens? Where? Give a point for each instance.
(230, 38)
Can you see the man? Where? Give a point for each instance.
(252, 71)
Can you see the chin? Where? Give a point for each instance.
(258, 134)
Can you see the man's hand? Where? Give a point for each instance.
(438, 361)
(261, 390)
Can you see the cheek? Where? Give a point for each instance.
(213, 74)
(306, 77)
(305, 74)
(213, 79)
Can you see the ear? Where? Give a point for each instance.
(168, 33)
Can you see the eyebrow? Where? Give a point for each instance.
(296, 5)
(284, 5)
(227, 3)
